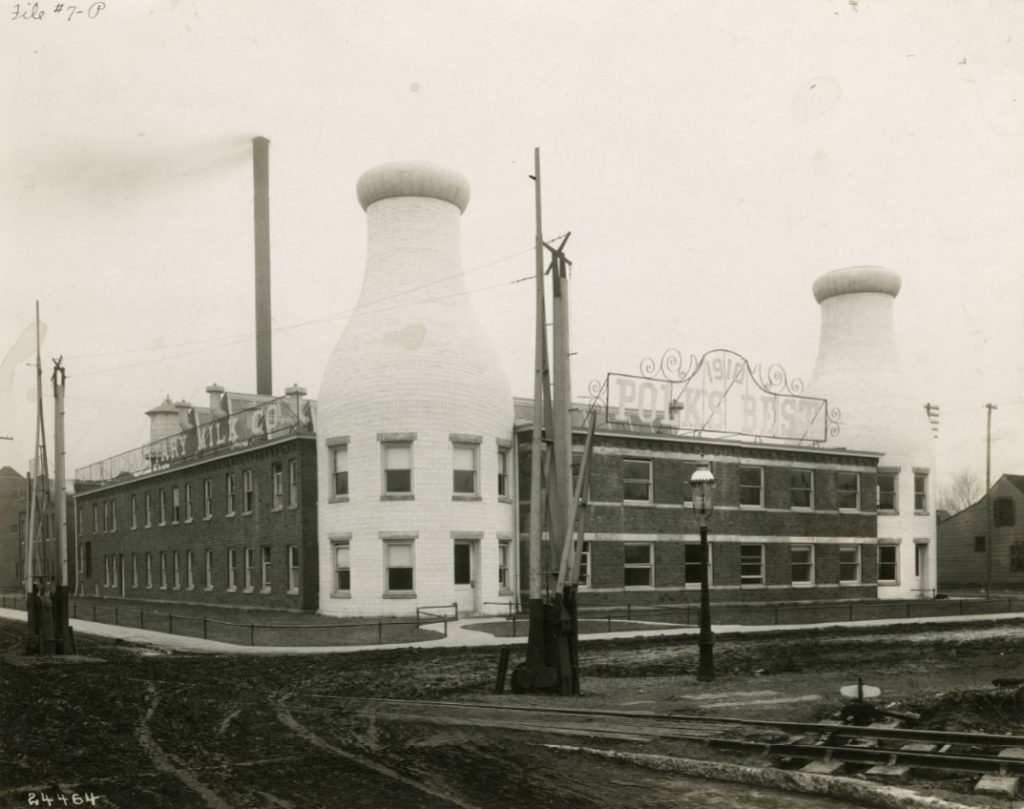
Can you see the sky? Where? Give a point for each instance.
(711, 160)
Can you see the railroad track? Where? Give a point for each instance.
(790, 743)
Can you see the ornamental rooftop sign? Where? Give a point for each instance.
(719, 394)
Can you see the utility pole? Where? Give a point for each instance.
(62, 626)
(988, 495)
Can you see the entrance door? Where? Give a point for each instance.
(465, 590)
(921, 568)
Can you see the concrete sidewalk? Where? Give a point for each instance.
(461, 634)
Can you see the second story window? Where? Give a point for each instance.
(503, 454)
(207, 499)
(163, 507)
(229, 494)
(293, 483)
(888, 492)
(1003, 515)
(175, 504)
(134, 512)
(277, 488)
(339, 470)
(637, 480)
(248, 492)
(464, 468)
(148, 505)
(848, 491)
(398, 468)
(188, 502)
(921, 492)
(801, 488)
(751, 486)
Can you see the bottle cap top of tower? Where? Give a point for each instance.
(412, 179)
(856, 279)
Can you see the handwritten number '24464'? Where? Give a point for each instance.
(33, 12)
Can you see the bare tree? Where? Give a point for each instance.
(963, 489)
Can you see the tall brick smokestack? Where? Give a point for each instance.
(261, 231)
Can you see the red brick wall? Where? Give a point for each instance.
(265, 526)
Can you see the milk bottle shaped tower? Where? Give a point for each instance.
(858, 370)
(414, 422)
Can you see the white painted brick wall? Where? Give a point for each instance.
(859, 371)
(412, 362)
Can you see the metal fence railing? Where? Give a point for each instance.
(763, 614)
(250, 633)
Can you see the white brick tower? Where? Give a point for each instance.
(859, 371)
(414, 420)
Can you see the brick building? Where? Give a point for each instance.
(790, 522)
(221, 512)
(968, 557)
(13, 497)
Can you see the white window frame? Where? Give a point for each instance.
(387, 444)
(895, 475)
(293, 484)
(895, 548)
(337, 464)
(232, 570)
(106, 570)
(691, 585)
(133, 521)
(208, 499)
(294, 573)
(149, 571)
(249, 568)
(857, 504)
(265, 571)
(190, 578)
(163, 570)
(748, 579)
(341, 543)
(135, 571)
(503, 477)
(809, 564)
(635, 480)
(148, 504)
(504, 566)
(391, 543)
(277, 485)
(460, 446)
(648, 565)
(176, 561)
(794, 489)
(856, 549)
(230, 495)
(248, 492)
(163, 507)
(175, 505)
(746, 487)
(188, 502)
(921, 497)
(208, 563)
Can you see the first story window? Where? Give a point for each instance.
(848, 490)
(801, 560)
(106, 571)
(849, 564)
(638, 567)
(293, 483)
(135, 570)
(232, 569)
(751, 486)
(293, 568)
(265, 568)
(504, 548)
(888, 564)
(149, 571)
(277, 485)
(209, 569)
(190, 582)
(163, 570)
(399, 562)
(88, 559)
(250, 567)
(342, 570)
(637, 480)
(751, 564)
(177, 571)
(585, 565)
(693, 562)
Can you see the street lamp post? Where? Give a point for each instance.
(702, 483)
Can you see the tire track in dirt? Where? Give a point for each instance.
(162, 761)
(300, 730)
